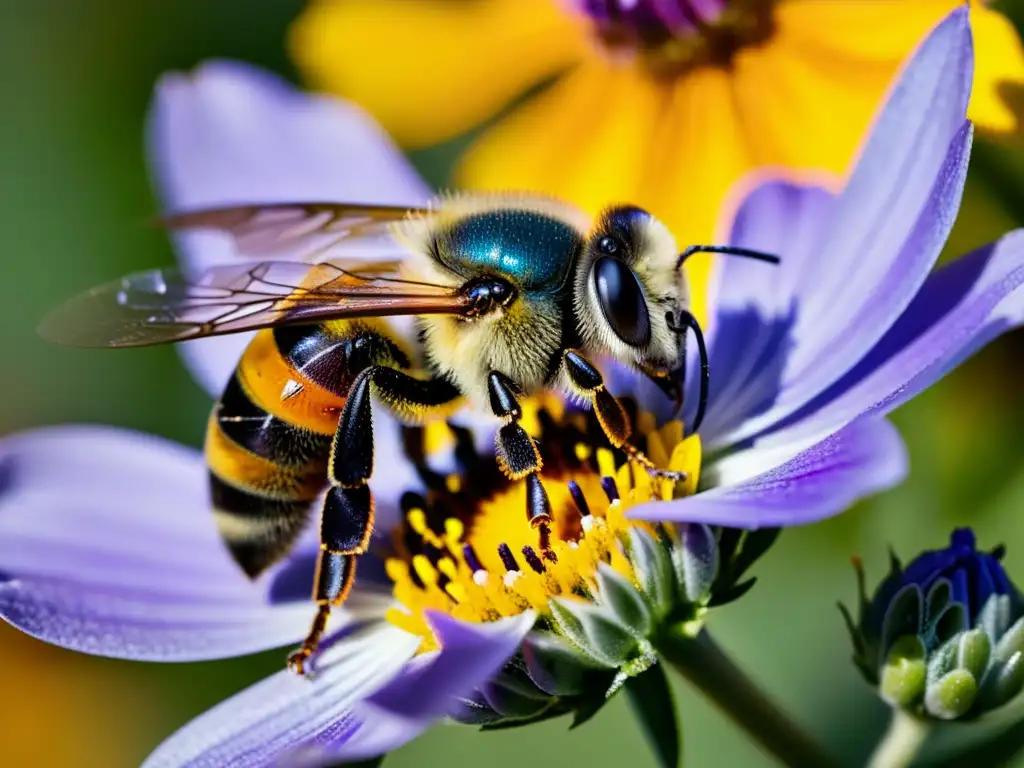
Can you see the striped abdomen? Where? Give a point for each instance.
(269, 437)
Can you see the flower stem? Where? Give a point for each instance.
(705, 665)
(902, 741)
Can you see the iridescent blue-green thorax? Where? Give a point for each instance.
(532, 249)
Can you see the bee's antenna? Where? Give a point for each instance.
(726, 249)
(688, 321)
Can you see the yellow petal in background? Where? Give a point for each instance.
(430, 69)
(697, 153)
(585, 139)
(997, 101)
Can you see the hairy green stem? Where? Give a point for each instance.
(707, 667)
(902, 741)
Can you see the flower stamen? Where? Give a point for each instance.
(465, 549)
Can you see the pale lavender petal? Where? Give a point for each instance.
(749, 337)
(887, 226)
(107, 547)
(866, 457)
(286, 715)
(470, 655)
(229, 133)
(426, 689)
(961, 307)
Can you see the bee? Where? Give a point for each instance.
(511, 294)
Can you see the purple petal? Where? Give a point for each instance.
(888, 225)
(470, 655)
(749, 338)
(285, 715)
(107, 546)
(866, 457)
(229, 133)
(961, 307)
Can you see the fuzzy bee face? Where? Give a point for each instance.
(628, 289)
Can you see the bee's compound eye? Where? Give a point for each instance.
(608, 245)
(622, 301)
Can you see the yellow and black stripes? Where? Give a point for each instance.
(269, 438)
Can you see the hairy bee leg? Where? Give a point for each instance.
(347, 522)
(612, 417)
(518, 456)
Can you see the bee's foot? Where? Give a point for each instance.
(667, 474)
(297, 661)
(638, 456)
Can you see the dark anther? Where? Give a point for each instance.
(611, 490)
(487, 294)
(507, 558)
(998, 552)
(469, 555)
(578, 498)
(410, 501)
(532, 560)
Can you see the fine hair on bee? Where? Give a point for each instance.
(510, 294)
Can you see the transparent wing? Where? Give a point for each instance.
(303, 232)
(164, 305)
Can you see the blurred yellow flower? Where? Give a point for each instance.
(662, 103)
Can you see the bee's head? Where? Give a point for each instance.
(629, 291)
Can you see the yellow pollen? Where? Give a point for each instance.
(490, 564)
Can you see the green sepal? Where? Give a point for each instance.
(951, 622)
(952, 695)
(937, 599)
(1003, 683)
(973, 652)
(1010, 643)
(752, 546)
(1006, 676)
(732, 593)
(905, 672)
(590, 627)
(942, 660)
(902, 617)
(586, 710)
(696, 561)
(995, 616)
(555, 666)
(653, 570)
(619, 594)
(510, 701)
(474, 711)
(650, 696)
(551, 712)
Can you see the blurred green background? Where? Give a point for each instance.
(73, 193)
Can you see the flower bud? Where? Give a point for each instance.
(942, 637)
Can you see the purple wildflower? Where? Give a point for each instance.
(807, 359)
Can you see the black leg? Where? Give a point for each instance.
(612, 417)
(518, 456)
(347, 522)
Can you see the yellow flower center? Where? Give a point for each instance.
(467, 548)
(670, 36)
